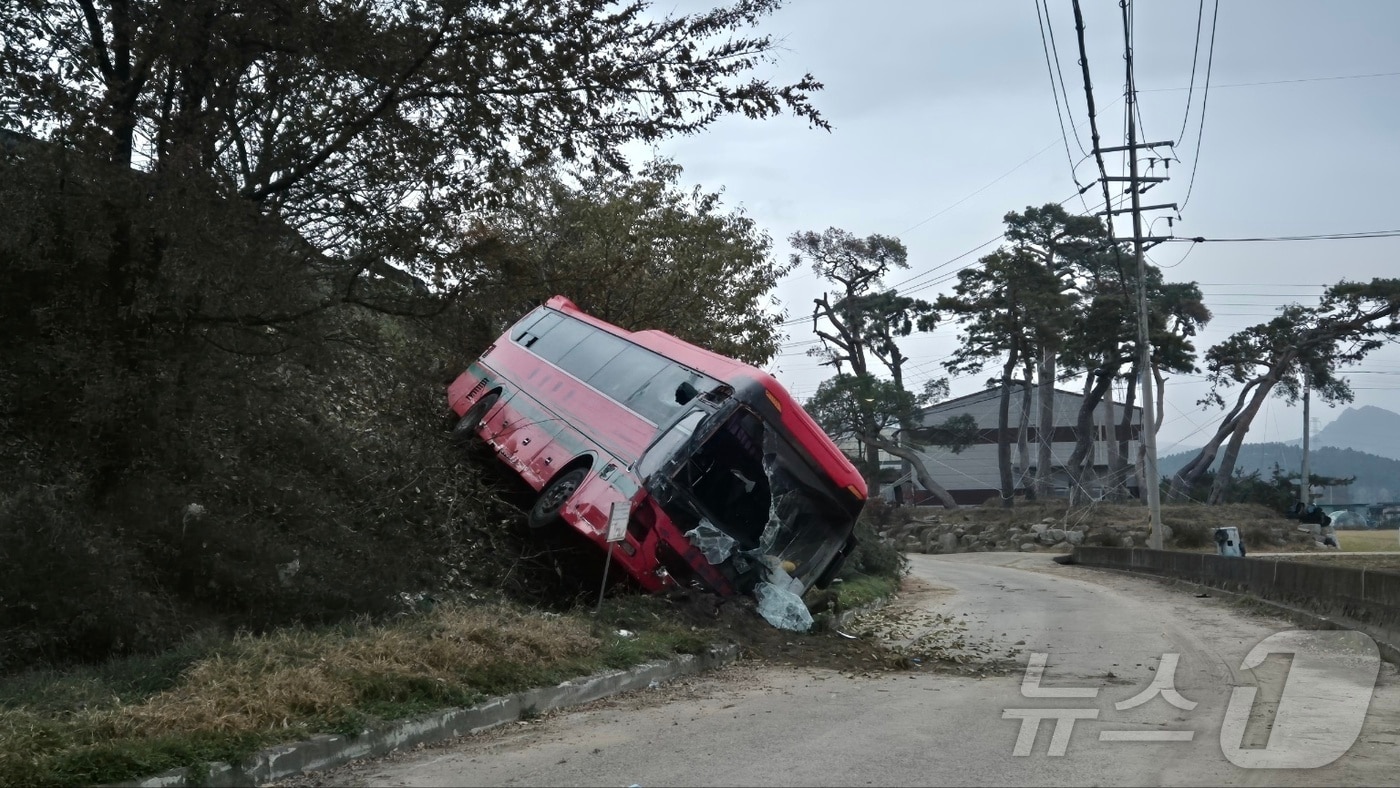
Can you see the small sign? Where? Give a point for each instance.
(617, 522)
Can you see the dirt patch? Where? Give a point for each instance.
(736, 620)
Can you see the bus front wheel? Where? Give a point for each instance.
(465, 431)
(545, 512)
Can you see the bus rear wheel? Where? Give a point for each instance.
(465, 431)
(545, 512)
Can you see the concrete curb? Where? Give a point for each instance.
(329, 751)
(1390, 652)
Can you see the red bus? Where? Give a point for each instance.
(727, 481)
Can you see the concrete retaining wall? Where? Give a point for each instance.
(1368, 597)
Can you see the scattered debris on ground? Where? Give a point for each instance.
(898, 636)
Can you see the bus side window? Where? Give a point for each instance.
(590, 355)
(523, 326)
(559, 339)
(657, 399)
(626, 373)
(531, 334)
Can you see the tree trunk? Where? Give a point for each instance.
(1188, 474)
(1125, 445)
(906, 429)
(1232, 451)
(1117, 468)
(872, 469)
(912, 457)
(1045, 426)
(1008, 484)
(1082, 457)
(1023, 451)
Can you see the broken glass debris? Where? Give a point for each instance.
(782, 608)
(715, 544)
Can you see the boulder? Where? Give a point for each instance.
(1074, 537)
(1056, 535)
(1028, 547)
(1039, 528)
(948, 543)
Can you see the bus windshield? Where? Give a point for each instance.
(748, 481)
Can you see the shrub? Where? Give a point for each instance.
(1256, 536)
(1190, 536)
(874, 556)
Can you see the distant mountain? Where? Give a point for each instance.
(1377, 477)
(1369, 429)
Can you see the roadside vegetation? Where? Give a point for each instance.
(221, 700)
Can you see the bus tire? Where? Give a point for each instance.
(465, 431)
(546, 510)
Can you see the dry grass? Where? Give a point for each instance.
(284, 686)
(1369, 541)
(299, 674)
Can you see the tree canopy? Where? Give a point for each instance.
(371, 128)
(1303, 345)
(641, 252)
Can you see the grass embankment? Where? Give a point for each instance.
(222, 700)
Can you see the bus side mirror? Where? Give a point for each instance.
(685, 392)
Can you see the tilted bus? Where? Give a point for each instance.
(728, 481)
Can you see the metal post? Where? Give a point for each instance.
(607, 563)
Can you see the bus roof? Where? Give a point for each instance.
(729, 370)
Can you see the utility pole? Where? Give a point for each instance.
(1149, 403)
(1150, 484)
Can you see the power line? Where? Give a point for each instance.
(1191, 85)
(989, 185)
(1205, 97)
(1283, 81)
(1055, 93)
(1316, 237)
(953, 274)
(1059, 71)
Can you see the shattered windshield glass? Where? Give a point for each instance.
(749, 483)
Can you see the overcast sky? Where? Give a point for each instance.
(944, 121)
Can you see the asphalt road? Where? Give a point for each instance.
(1103, 634)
